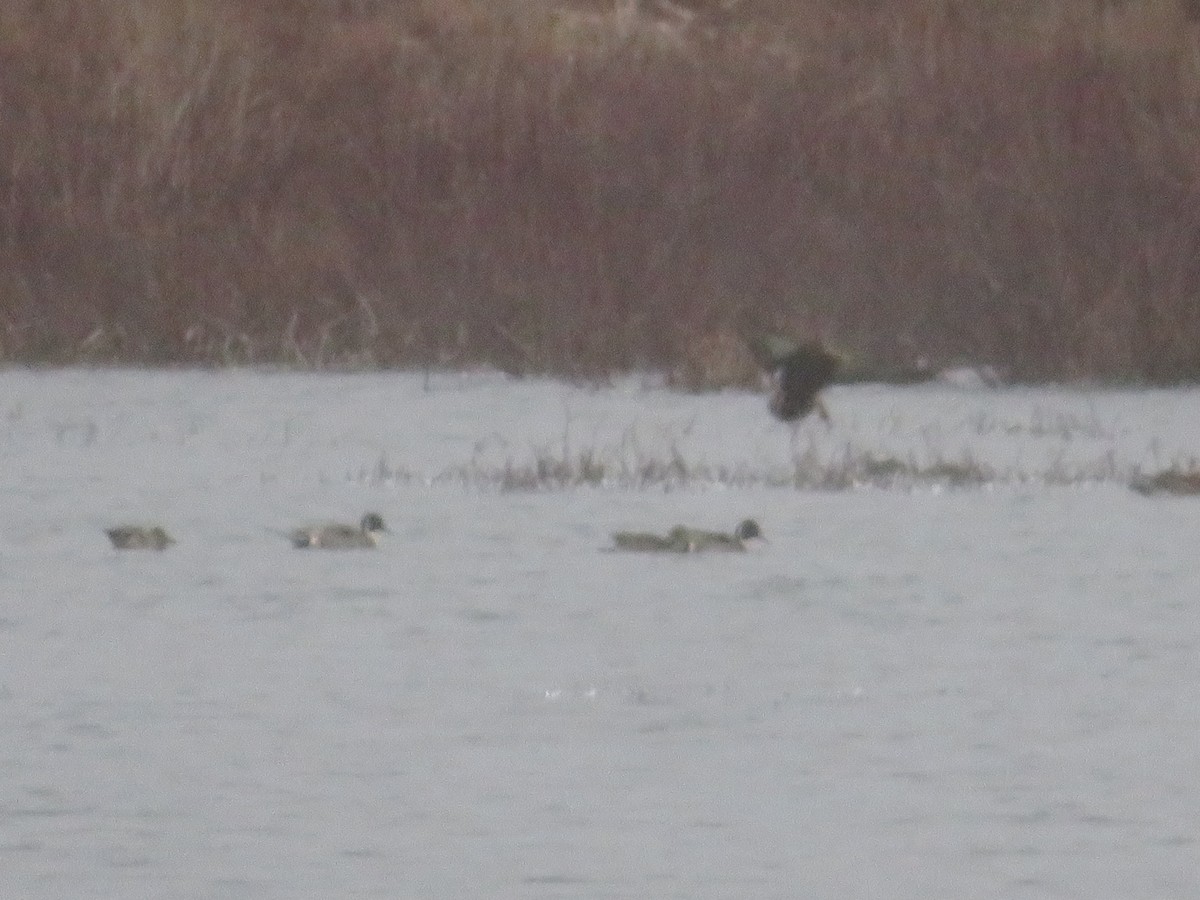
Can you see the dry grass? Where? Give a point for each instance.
(623, 467)
(1181, 479)
(582, 188)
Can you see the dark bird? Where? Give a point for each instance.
(799, 371)
(139, 537)
(1170, 481)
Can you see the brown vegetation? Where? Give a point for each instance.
(555, 187)
(624, 466)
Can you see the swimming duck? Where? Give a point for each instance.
(139, 537)
(798, 370)
(336, 536)
(682, 539)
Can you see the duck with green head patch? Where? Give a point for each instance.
(338, 536)
(682, 539)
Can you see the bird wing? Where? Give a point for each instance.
(808, 368)
(798, 378)
(769, 350)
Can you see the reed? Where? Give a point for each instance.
(557, 187)
(852, 468)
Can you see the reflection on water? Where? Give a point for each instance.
(919, 691)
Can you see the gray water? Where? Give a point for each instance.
(910, 691)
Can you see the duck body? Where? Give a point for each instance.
(338, 536)
(674, 541)
(139, 537)
(682, 539)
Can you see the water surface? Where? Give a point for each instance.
(911, 691)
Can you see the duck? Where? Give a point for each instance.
(798, 372)
(682, 539)
(337, 536)
(139, 537)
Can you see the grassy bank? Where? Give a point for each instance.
(581, 189)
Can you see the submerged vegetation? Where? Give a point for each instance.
(853, 469)
(582, 187)
(624, 466)
(1180, 481)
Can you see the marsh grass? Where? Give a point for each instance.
(1181, 479)
(620, 467)
(584, 187)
